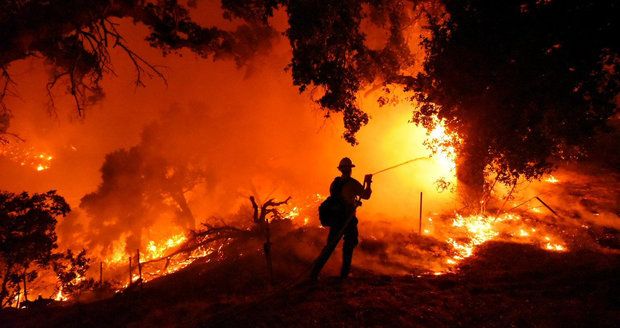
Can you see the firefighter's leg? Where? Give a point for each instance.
(350, 241)
(327, 251)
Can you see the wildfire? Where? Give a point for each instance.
(480, 228)
(442, 145)
(309, 206)
(59, 296)
(552, 179)
(29, 157)
(154, 251)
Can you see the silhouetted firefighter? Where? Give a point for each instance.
(338, 213)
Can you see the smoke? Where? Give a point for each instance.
(216, 135)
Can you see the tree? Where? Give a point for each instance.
(27, 237)
(75, 37)
(70, 269)
(139, 184)
(326, 38)
(523, 83)
(263, 216)
(547, 71)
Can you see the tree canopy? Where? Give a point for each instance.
(139, 185)
(27, 236)
(75, 37)
(521, 81)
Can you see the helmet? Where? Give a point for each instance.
(345, 162)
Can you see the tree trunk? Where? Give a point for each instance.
(470, 165)
(186, 217)
(25, 288)
(4, 292)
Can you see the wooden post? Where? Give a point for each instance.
(25, 288)
(167, 264)
(130, 271)
(267, 250)
(420, 223)
(101, 274)
(139, 264)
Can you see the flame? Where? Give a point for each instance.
(59, 296)
(552, 179)
(480, 228)
(154, 251)
(442, 144)
(30, 157)
(293, 213)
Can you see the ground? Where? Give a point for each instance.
(503, 285)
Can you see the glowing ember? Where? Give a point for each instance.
(536, 210)
(293, 213)
(308, 206)
(39, 161)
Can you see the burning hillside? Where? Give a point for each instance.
(157, 155)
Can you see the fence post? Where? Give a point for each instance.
(139, 264)
(101, 274)
(130, 271)
(420, 223)
(25, 288)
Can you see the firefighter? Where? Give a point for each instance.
(347, 190)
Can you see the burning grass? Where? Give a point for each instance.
(447, 243)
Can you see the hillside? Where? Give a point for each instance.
(503, 285)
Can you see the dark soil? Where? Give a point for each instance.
(503, 285)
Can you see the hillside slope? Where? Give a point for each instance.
(503, 285)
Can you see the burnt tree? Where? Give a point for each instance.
(137, 187)
(263, 215)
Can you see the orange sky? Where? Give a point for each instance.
(253, 129)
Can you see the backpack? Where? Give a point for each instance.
(332, 209)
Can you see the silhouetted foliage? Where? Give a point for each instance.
(140, 184)
(326, 38)
(70, 269)
(27, 237)
(523, 82)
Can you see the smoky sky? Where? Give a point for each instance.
(247, 128)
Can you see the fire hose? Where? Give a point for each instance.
(399, 165)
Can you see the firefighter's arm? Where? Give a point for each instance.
(366, 192)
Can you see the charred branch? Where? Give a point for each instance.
(204, 237)
(270, 208)
(74, 37)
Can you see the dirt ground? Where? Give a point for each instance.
(504, 285)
